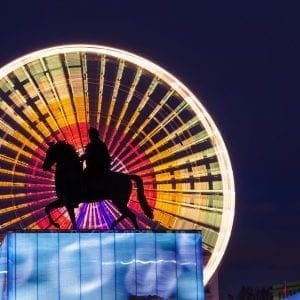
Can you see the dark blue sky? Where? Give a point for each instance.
(243, 60)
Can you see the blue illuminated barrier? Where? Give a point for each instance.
(101, 265)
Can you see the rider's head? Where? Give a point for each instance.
(93, 133)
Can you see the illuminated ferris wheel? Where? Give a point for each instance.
(152, 124)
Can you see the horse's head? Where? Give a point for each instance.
(61, 153)
(50, 158)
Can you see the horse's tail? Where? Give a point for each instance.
(141, 196)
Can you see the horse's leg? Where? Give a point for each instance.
(120, 197)
(132, 218)
(71, 213)
(127, 213)
(51, 206)
(115, 222)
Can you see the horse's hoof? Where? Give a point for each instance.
(56, 225)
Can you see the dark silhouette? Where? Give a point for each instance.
(70, 182)
(68, 178)
(96, 153)
(98, 162)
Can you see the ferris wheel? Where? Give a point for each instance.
(153, 125)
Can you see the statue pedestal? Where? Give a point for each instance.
(101, 265)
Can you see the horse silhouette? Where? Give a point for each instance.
(71, 188)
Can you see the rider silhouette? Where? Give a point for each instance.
(98, 162)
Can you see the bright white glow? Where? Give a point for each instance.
(197, 107)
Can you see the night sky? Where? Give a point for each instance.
(242, 60)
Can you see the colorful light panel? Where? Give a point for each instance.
(153, 125)
(94, 265)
